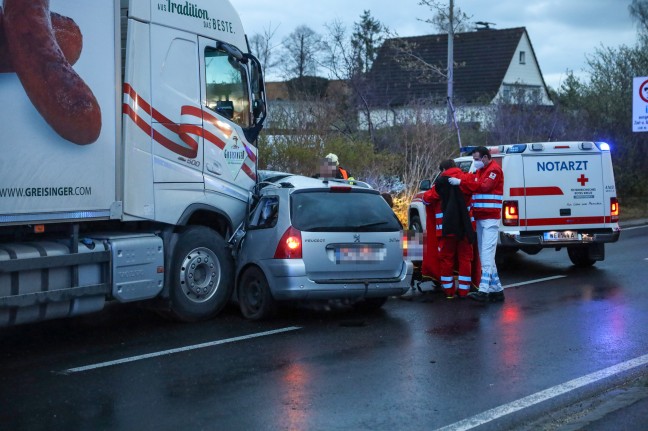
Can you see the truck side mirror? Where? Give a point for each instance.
(425, 185)
(257, 88)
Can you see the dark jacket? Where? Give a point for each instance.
(456, 218)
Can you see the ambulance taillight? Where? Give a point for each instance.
(614, 210)
(511, 213)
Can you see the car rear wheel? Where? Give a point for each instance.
(254, 296)
(579, 255)
(201, 275)
(369, 304)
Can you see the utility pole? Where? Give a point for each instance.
(451, 118)
(450, 62)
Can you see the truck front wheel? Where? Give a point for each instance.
(202, 275)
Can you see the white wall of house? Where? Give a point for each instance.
(523, 76)
(482, 114)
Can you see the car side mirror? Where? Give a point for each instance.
(425, 185)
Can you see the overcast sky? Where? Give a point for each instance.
(562, 32)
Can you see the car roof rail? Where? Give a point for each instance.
(349, 182)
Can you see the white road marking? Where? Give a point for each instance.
(538, 397)
(539, 280)
(634, 227)
(177, 350)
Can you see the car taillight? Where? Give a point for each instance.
(614, 210)
(511, 215)
(290, 245)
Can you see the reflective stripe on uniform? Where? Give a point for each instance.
(447, 282)
(487, 205)
(487, 197)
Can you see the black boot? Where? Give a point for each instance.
(496, 296)
(478, 296)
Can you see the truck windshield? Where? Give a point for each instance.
(227, 87)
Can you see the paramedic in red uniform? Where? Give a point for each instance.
(487, 186)
(453, 227)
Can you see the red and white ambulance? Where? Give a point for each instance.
(556, 195)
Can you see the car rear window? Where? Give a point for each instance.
(356, 211)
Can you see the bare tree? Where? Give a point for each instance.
(346, 59)
(407, 53)
(302, 48)
(639, 12)
(264, 48)
(422, 144)
(442, 15)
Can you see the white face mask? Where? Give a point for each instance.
(478, 164)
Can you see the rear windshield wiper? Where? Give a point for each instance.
(379, 223)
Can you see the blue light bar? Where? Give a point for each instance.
(467, 150)
(603, 146)
(517, 148)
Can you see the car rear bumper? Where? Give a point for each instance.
(521, 239)
(288, 281)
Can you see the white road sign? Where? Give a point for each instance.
(640, 104)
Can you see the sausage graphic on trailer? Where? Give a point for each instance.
(57, 92)
(67, 33)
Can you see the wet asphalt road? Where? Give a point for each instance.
(417, 365)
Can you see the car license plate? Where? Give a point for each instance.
(360, 254)
(567, 235)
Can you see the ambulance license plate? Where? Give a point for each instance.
(567, 235)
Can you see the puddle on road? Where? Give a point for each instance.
(455, 329)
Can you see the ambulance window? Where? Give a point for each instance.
(227, 88)
(464, 165)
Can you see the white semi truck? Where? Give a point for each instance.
(128, 156)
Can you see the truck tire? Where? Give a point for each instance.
(202, 275)
(579, 255)
(415, 224)
(255, 299)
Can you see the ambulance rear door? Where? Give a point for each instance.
(563, 190)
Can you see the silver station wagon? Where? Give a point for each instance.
(319, 239)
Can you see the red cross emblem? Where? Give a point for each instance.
(582, 180)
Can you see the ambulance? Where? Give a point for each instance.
(556, 195)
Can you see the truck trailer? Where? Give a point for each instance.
(128, 159)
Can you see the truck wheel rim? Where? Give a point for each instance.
(200, 275)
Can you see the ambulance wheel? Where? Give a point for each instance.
(202, 275)
(254, 296)
(579, 255)
(503, 257)
(415, 224)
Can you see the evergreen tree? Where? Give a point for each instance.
(368, 35)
